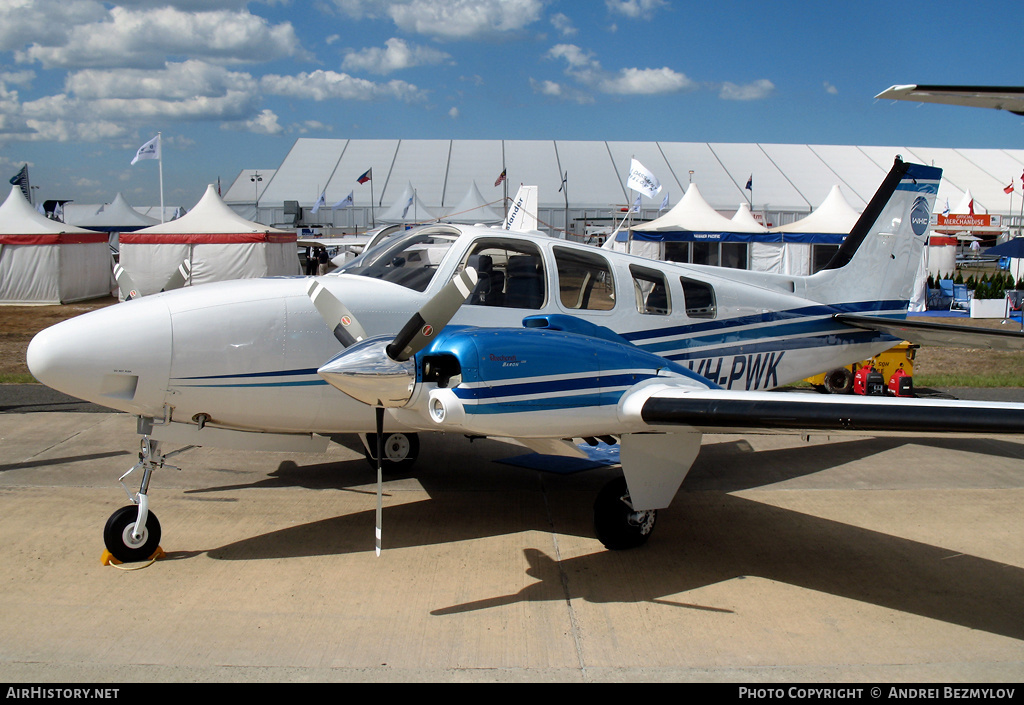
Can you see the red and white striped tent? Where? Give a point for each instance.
(44, 261)
(219, 243)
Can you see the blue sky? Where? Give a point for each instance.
(231, 84)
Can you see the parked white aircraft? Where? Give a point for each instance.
(550, 341)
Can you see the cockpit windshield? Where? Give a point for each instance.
(409, 260)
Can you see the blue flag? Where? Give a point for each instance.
(21, 179)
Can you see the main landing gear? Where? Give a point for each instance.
(132, 533)
(617, 525)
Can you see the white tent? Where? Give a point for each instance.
(827, 224)
(219, 243)
(744, 222)
(473, 208)
(44, 261)
(407, 209)
(116, 216)
(692, 219)
(692, 214)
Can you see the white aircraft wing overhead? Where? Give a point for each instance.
(1010, 98)
(938, 334)
(731, 411)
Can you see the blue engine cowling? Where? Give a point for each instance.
(557, 374)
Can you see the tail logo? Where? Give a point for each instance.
(920, 216)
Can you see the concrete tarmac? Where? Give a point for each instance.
(852, 559)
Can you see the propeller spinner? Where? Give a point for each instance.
(379, 371)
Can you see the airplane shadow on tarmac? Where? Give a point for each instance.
(706, 537)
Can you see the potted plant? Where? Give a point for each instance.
(989, 299)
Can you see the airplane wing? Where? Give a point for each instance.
(939, 334)
(1010, 98)
(727, 411)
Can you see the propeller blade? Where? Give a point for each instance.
(433, 317)
(341, 321)
(180, 276)
(125, 283)
(380, 475)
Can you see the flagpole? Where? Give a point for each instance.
(373, 222)
(160, 164)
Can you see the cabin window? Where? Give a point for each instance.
(651, 290)
(584, 280)
(698, 298)
(409, 260)
(510, 274)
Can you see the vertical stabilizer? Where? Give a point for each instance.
(878, 261)
(522, 212)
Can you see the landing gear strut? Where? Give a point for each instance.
(132, 533)
(617, 525)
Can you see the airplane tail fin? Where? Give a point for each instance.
(522, 212)
(877, 263)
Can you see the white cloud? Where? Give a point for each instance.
(453, 113)
(574, 56)
(23, 19)
(325, 85)
(755, 90)
(646, 82)
(179, 81)
(145, 38)
(585, 69)
(563, 24)
(395, 55)
(263, 124)
(830, 89)
(449, 19)
(635, 9)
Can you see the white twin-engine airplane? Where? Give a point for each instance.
(548, 342)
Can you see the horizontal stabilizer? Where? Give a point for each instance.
(938, 334)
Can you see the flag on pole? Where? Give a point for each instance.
(501, 177)
(150, 150)
(664, 203)
(1009, 189)
(365, 177)
(407, 207)
(945, 211)
(970, 207)
(322, 201)
(21, 179)
(564, 179)
(640, 179)
(636, 204)
(345, 202)
(750, 184)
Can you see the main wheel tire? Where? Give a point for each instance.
(117, 535)
(839, 381)
(616, 524)
(400, 450)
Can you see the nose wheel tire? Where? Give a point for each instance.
(617, 525)
(118, 535)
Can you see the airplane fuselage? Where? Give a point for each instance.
(244, 354)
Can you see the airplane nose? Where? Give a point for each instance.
(117, 357)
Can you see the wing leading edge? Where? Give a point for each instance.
(722, 411)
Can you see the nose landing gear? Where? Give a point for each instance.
(132, 533)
